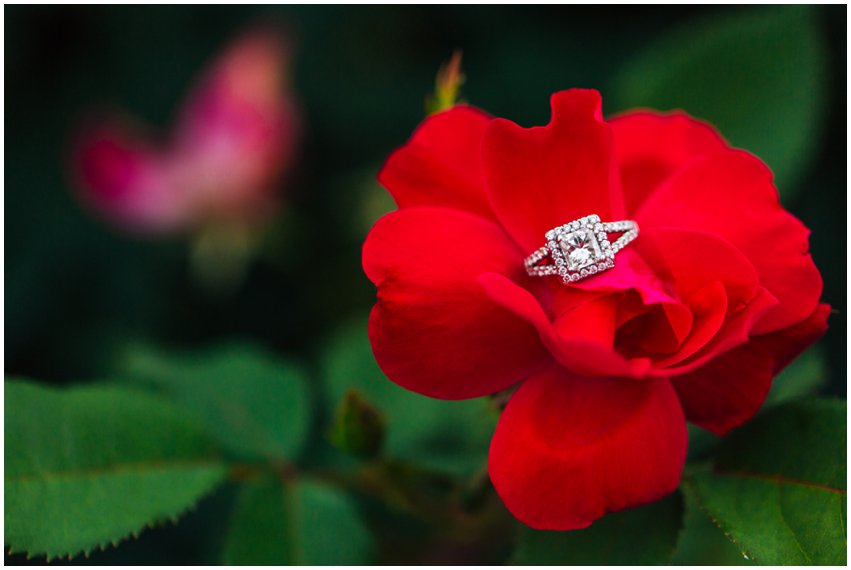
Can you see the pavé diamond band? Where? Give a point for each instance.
(580, 249)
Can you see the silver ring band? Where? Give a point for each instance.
(580, 249)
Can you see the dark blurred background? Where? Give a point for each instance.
(75, 288)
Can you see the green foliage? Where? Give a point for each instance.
(702, 543)
(257, 405)
(447, 436)
(646, 535)
(756, 75)
(296, 523)
(777, 487)
(803, 377)
(358, 427)
(87, 466)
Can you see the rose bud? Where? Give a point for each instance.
(234, 137)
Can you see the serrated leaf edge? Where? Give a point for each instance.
(727, 534)
(174, 519)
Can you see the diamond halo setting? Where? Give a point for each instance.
(580, 249)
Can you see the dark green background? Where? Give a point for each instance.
(75, 289)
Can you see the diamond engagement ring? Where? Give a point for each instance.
(580, 249)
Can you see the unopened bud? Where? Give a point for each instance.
(358, 427)
(447, 85)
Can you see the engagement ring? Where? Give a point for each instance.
(580, 248)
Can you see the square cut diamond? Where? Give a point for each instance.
(581, 249)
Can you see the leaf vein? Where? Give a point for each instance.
(782, 514)
(114, 469)
(779, 479)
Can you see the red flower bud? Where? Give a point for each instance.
(234, 137)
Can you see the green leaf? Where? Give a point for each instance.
(777, 487)
(255, 404)
(448, 436)
(758, 75)
(88, 466)
(296, 523)
(646, 535)
(702, 543)
(803, 377)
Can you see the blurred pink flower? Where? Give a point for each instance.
(234, 137)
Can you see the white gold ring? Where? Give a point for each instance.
(580, 248)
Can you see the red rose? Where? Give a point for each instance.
(716, 295)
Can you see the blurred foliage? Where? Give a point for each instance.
(298, 523)
(83, 301)
(759, 77)
(256, 405)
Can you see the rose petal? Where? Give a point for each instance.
(656, 330)
(577, 353)
(568, 449)
(543, 177)
(708, 273)
(731, 388)
(630, 272)
(734, 331)
(650, 146)
(708, 307)
(593, 320)
(441, 164)
(433, 329)
(731, 194)
(687, 259)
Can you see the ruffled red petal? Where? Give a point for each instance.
(433, 329)
(441, 164)
(710, 275)
(731, 388)
(731, 194)
(630, 272)
(568, 449)
(542, 177)
(652, 330)
(576, 352)
(650, 146)
(735, 330)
